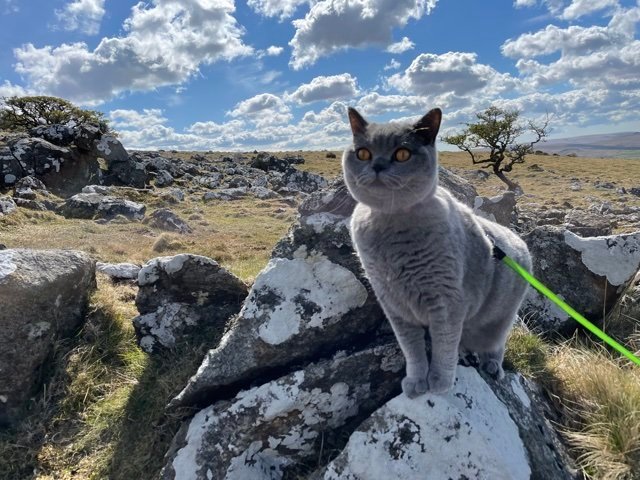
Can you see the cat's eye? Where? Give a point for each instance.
(363, 154)
(402, 155)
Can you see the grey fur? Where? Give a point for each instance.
(428, 257)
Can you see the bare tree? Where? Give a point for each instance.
(492, 141)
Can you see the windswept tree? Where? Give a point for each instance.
(492, 141)
(24, 113)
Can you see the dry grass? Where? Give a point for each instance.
(224, 231)
(601, 398)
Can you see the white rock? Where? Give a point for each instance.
(123, 271)
(312, 281)
(466, 433)
(616, 257)
(7, 267)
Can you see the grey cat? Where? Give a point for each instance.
(428, 257)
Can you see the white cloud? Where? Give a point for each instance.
(325, 88)
(598, 57)
(123, 118)
(376, 104)
(276, 8)
(7, 89)
(524, 3)
(82, 15)
(263, 109)
(10, 7)
(458, 73)
(578, 8)
(333, 25)
(274, 51)
(402, 46)
(392, 65)
(165, 43)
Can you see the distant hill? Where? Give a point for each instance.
(610, 145)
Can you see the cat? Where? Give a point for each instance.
(427, 255)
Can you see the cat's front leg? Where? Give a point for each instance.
(413, 346)
(445, 331)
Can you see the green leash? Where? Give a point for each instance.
(516, 267)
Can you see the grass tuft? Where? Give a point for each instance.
(602, 402)
(526, 352)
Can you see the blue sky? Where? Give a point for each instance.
(278, 74)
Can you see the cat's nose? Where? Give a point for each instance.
(378, 167)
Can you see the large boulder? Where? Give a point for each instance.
(588, 273)
(261, 431)
(500, 209)
(182, 295)
(467, 433)
(44, 296)
(95, 205)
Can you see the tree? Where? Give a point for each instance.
(492, 141)
(24, 113)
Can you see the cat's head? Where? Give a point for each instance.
(392, 166)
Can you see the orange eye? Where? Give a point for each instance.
(402, 155)
(363, 154)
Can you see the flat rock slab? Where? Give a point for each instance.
(44, 296)
(467, 433)
(261, 431)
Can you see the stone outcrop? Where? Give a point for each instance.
(95, 205)
(44, 296)
(467, 433)
(588, 273)
(165, 219)
(500, 209)
(119, 271)
(263, 430)
(184, 295)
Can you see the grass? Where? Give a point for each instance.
(101, 413)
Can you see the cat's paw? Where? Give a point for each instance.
(493, 368)
(439, 383)
(413, 387)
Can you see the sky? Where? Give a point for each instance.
(279, 74)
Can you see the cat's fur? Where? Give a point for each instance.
(428, 257)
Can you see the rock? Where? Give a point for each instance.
(635, 191)
(501, 208)
(335, 199)
(94, 205)
(535, 168)
(63, 169)
(30, 183)
(458, 186)
(263, 193)
(121, 168)
(588, 273)
(588, 224)
(238, 181)
(226, 194)
(330, 155)
(35, 205)
(299, 181)
(165, 219)
(294, 159)
(163, 179)
(210, 181)
(466, 433)
(119, 271)
(279, 423)
(101, 189)
(44, 296)
(312, 290)
(7, 206)
(184, 295)
(268, 162)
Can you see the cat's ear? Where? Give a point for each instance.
(427, 127)
(358, 124)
